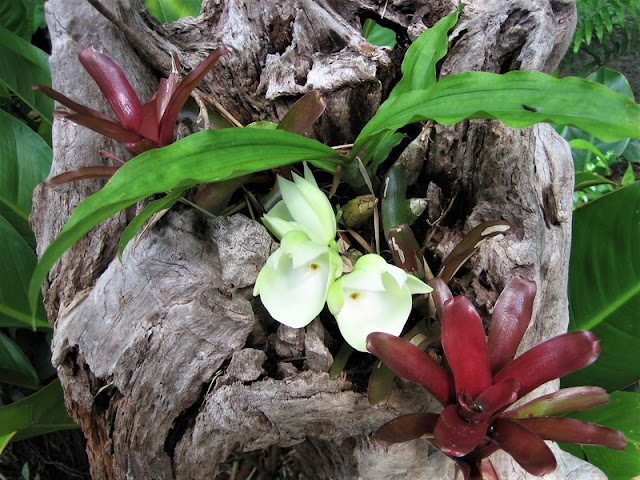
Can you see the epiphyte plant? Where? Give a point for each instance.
(484, 380)
(306, 271)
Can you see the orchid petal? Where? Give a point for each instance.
(465, 346)
(551, 359)
(294, 282)
(509, 320)
(526, 448)
(570, 430)
(409, 362)
(405, 428)
(456, 436)
(279, 221)
(440, 294)
(114, 85)
(565, 400)
(181, 94)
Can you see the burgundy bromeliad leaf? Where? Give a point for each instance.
(464, 344)
(491, 400)
(440, 294)
(409, 362)
(509, 320)
(572, 399)
(84, 173)
(571, 430)
(455, 435)
(551, 359)
(406, 427)
(304, 113)
(526, 448)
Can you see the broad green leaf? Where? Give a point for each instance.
(589, 179)
(13, 17)
(25, 162)
(17, 262)
(628, 177)
(15, 367)
(4, 440)
(632, 152)
(518, 99)
(378, 35)
(22, 66)
(604, 286)
(40, 413)
(170, 10)
(621, 413)
(204, 157)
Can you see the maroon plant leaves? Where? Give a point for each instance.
(552, 359)
(411, 363)
(84, 173)
(569, 430)
(509, 320)
(455, 435)
(465, 346)
(527, 448)
(304, 113)
(440, 294)
(491, 400)
(572, 399)
(574, 431)
(406, 427)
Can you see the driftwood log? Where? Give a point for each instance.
(167, 362)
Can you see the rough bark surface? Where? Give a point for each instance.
(167, 362)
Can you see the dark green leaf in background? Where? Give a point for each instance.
(604, 286)
(22, 66)
(15, 368)
(25, 161)
(621, 413)
(377, 34)
(589, 179)
(204, 157)
(17, 262)
(170, 10)
(40, 413)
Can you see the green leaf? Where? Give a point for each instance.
(40, 413)
(15, 367)
(604, 286)
(621, 413)
(613, 79)
(204, 157)
(518, 99)
(589, 179)
(628, 177)
(4, 440)
(13, 17)
(22, 66)
(17, 262)
(167, 11)
(25, 162)
(377, 34)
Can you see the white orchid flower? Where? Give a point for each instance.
(374, 297)
(303, 207)
(294, 283)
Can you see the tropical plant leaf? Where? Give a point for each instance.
(40, 413)
(25, 162)
(604, 286)
(17, 262)
(170, 10)
(22, 66)
(4, 440)
(15, 367)
(378, 35)
(589, 179)
(518, 99)
(621, 413)
(204, 157)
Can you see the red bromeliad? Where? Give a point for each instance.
(139, 127)
(484, 380)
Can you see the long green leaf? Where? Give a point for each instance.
(518, 99)
(17, 262)
(4, 440)
(40, 413)
(204, 157)
(604, 286)
(170, 10)
(25, 161)
(22, 66)
(621, 413)
(15, 367)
